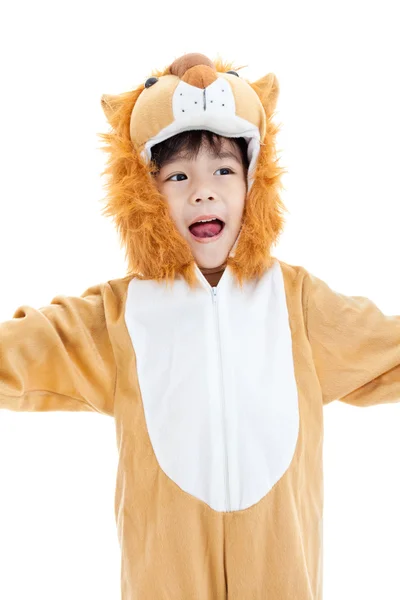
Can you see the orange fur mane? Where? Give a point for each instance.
(154, 248)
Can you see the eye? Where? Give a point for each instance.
(233, 73)
(150, 81)
(176, 175)
(225, 169)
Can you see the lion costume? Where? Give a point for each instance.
(216, 378)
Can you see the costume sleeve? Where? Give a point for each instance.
(356, 348)
(58, 357)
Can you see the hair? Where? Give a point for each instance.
(188, 144)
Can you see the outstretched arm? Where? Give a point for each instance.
(59, 357)
(356, 348)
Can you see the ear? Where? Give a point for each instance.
(110, 105)
(267, 89)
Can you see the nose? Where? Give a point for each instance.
(200, 199)
(195, 69)
(203, 194)
(200, 76)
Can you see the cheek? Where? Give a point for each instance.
(174, 205)
(240, 188)
(241, 200)
(174, 209)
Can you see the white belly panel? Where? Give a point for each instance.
(217, 383)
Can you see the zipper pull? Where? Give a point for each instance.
(214, 292)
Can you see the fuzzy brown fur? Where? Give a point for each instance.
(153, 246)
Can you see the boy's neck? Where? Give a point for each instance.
(213, 269)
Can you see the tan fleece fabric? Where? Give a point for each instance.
(76, 354)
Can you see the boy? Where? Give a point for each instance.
(214, 358)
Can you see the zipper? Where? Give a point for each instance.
(228, 503)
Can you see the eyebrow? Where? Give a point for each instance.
(214, 155)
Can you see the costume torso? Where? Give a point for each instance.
(219, 418)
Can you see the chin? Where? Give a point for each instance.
(211, 262)
(210, 255)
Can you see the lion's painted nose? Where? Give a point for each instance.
(200, 76)
(195, 69)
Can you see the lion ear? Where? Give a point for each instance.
(267, 89)
(110, 105)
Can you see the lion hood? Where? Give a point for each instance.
(191, 93)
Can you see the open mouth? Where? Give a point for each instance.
(210, 229)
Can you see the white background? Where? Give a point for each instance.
(337, 64)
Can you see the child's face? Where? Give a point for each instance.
(206, 185)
